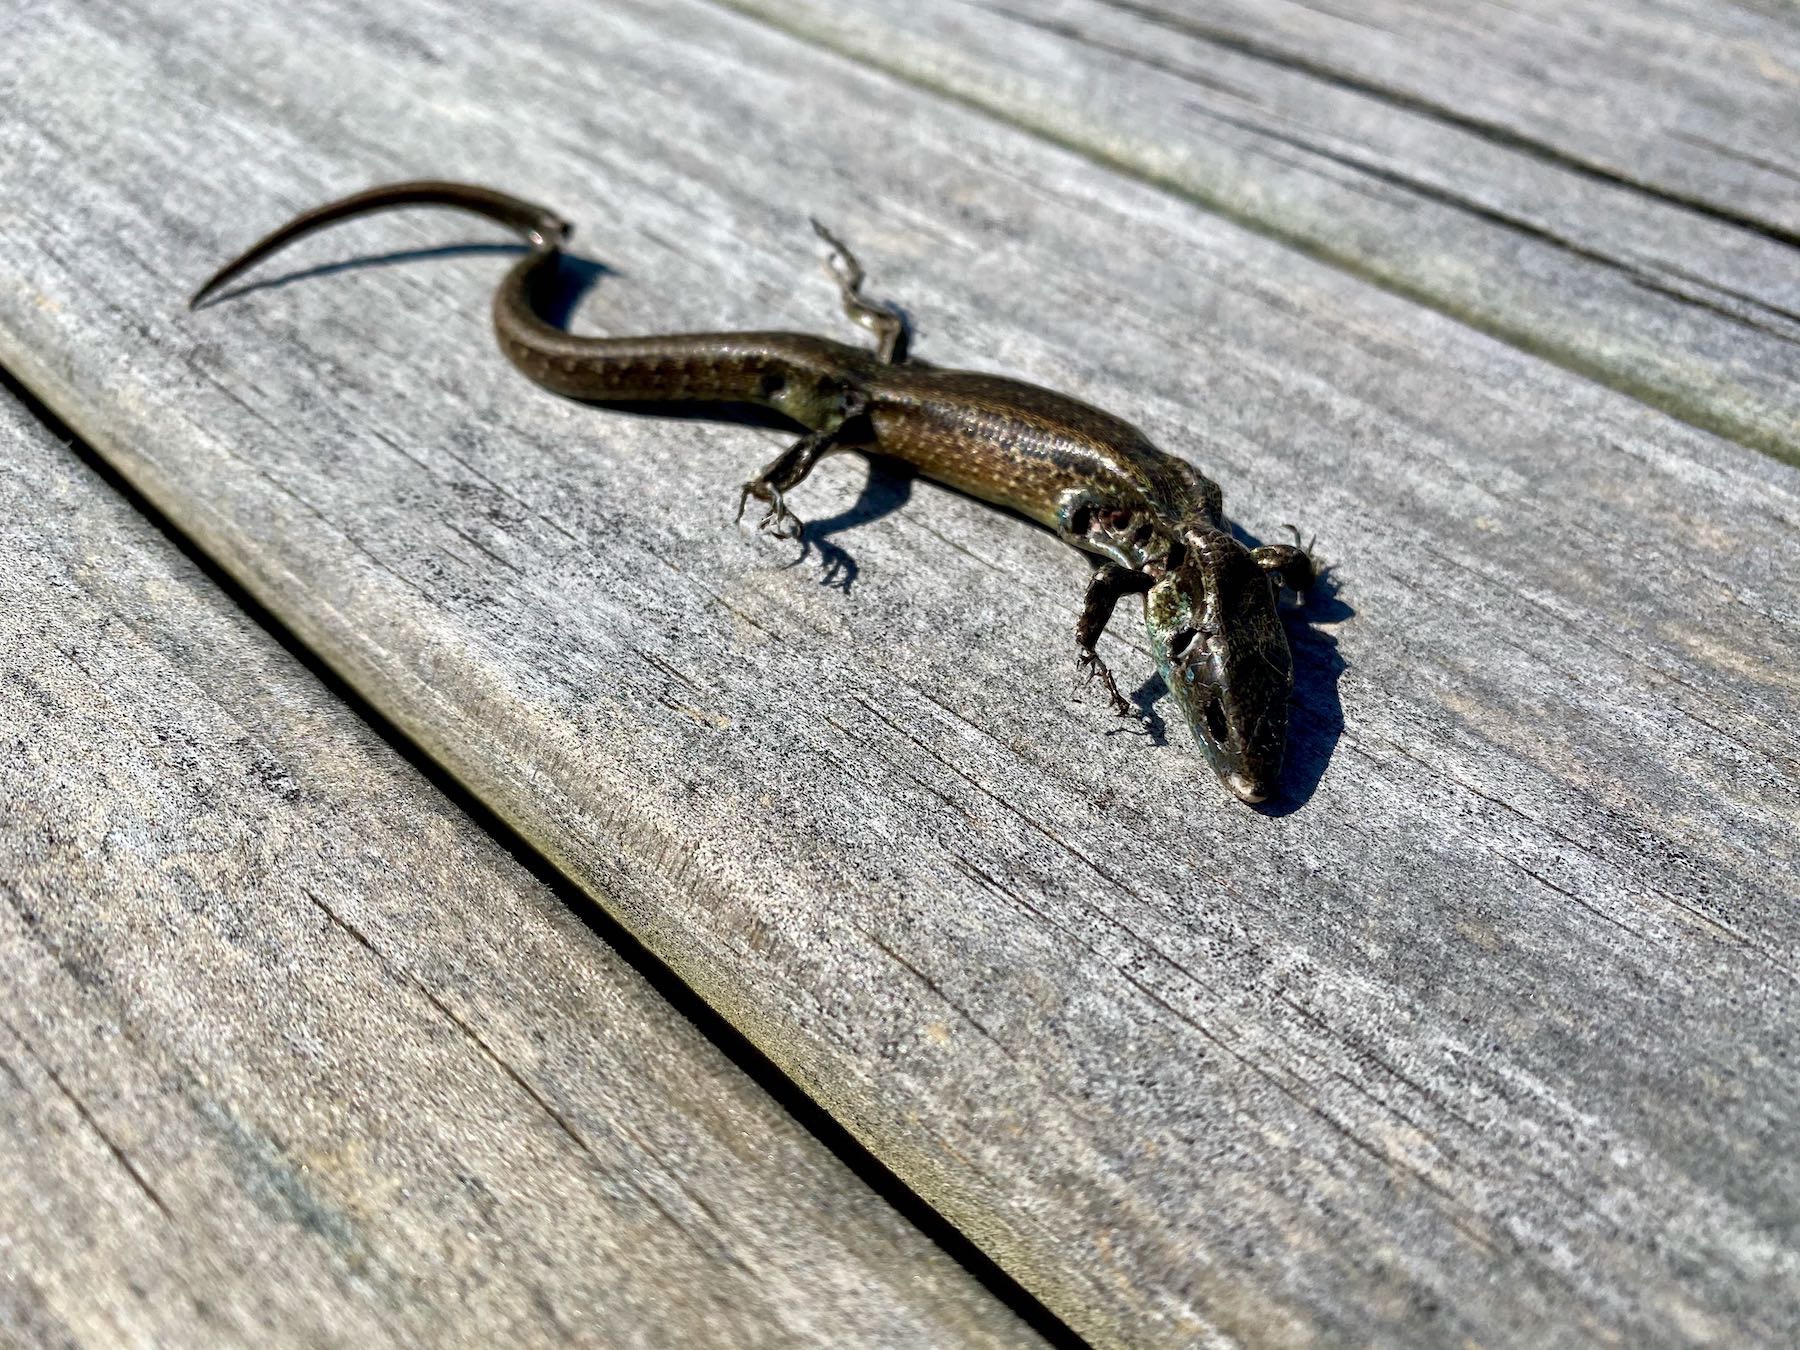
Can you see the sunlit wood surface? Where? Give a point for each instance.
(1485, 1032)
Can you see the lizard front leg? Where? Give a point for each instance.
(848, 428)
(1290, 564)
(780, 476)
(1109, 584)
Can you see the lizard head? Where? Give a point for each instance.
(1223, 653)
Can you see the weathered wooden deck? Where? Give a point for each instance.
(312, 1025)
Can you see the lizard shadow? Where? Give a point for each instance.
(1148, 723)
(394, 259)
(1316, 722)
(1316, 716)
(887, 488)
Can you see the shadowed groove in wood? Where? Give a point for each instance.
(1543, 586)
(1705, 395)
(683, 1007)
(1441, 112)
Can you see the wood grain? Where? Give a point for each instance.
(1612, 187)
(292, 1053)
(1486, 1033)
(1684, 100)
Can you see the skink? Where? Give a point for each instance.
(1153, 524)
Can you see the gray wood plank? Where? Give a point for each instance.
(1486, 1034)
(1688, 100)
(1612, 187)
(292, 1053)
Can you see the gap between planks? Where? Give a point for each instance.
(1705, 414)
(713, 1026)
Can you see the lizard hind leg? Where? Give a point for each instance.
(887, 323)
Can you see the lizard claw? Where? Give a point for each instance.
(781, 522)
(1089, 660)
(778, 519)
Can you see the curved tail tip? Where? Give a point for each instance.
(206, 290)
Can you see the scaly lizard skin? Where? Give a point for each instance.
(1153, 523)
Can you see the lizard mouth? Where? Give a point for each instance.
(1213, 731)
(1246, 790)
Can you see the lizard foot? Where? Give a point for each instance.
(778, 519)
(1089, 660)
(1292, 565)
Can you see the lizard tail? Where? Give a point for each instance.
(543, 229)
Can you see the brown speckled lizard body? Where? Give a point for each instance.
(1153, 523)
